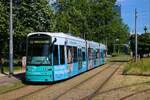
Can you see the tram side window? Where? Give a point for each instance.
(83, 54)
(79, 55)
(79, 58)
(69, 54)
(62, 55)
(105, 53)
(94, 54)
(101, 54)
(97, 54)
(75, 54)
(90, 53)
(55, 55)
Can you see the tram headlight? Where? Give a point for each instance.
(47, 69)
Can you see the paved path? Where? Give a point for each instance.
(18, 75)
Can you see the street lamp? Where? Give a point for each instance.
(136, 46)
(145, 29)
(11, 43)
(115, 43)
(117, 40)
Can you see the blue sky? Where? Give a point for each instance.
(127, 13)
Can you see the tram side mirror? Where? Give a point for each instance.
(54, 40)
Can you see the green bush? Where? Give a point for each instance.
(140, 67)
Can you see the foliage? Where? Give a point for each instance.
(31, 16)
(97, 20)
(120, 58)
(140, 68)
(28, 16)
(11, 86)
(91, 19)
(3, 26)
(143, 44)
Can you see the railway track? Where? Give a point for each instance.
(35, 89)
(41, 89)
(122, 87)
(12, 90)
(21, 92)
(84, 81)
(68, 89)
(7, 94)
(96, 92)
(134, 94)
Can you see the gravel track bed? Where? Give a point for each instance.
(122, 87)
(59, 88)
(88, 87)
(15, 94)
(119, 87)
(140, 95)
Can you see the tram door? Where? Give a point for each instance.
(94, 57)
(90, 57)
(79, 59)
(70, 59)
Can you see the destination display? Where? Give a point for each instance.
(38, 41)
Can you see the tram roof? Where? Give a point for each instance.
(63, 35)
(103, 46)
(58, 34)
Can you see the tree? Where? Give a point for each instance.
(94, 19)
(143, 44)
(28, 16)
(70, 18)
(97, 19)
(3, 26)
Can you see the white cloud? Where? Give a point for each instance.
(120, 0)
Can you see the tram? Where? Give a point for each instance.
(58, 56)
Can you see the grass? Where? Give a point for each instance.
(16, 68)
(120, 58)
(13, 85)
(141, 67)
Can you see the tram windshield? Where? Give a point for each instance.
(39, 51)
